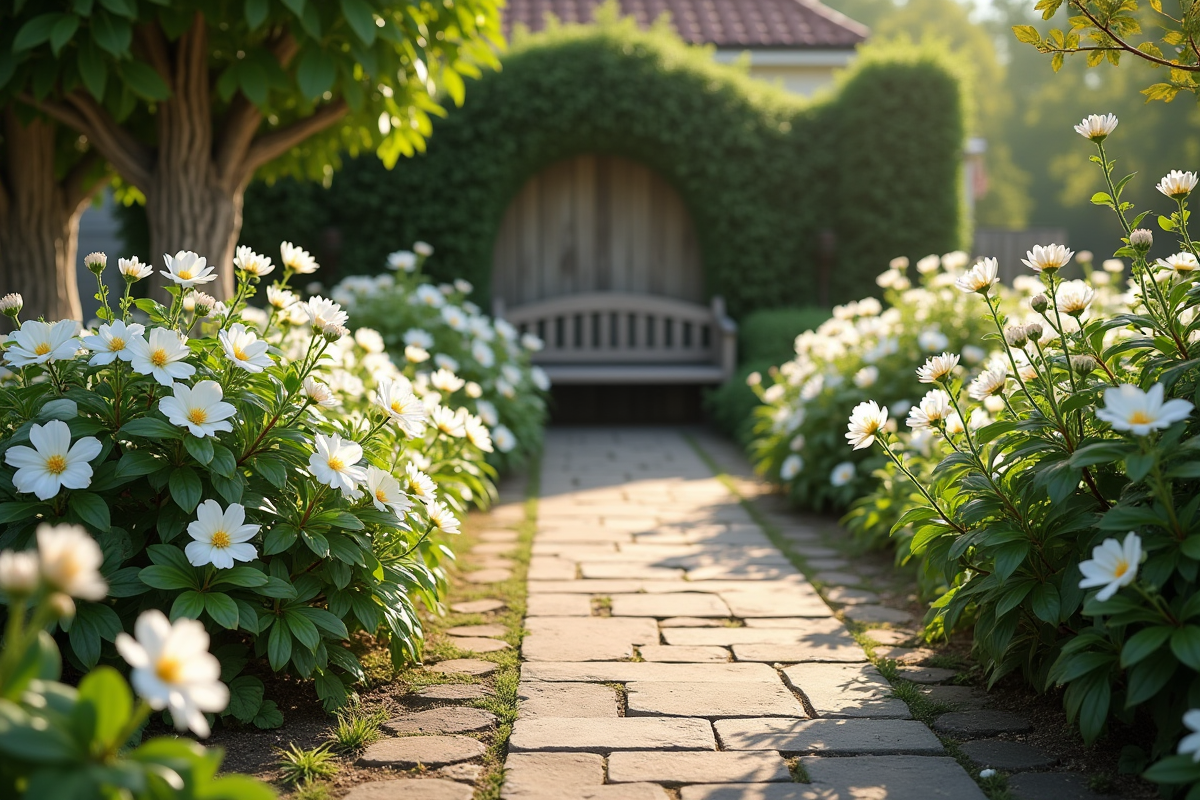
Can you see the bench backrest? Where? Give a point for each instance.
(619, 328)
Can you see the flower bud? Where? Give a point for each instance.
(1039, 303)
(1016, 336)
(754, 379)
(332, 332)
(1085, 257)
(11, 304)
(1084, 364)
(204, 304)
(1141, 240)
(61, 605)
(19, 573)
(1033, 331)
(95, 262)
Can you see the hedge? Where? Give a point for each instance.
(762, 172)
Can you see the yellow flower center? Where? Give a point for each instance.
(116, 343)
(185, 274)
(197, 416)
(1121, 569)
(159, 358)
(239, 353)
(220, 539)
(1140, 418)
(56, 464)
(381, 495)
(398, 407)
(169, 670)
(42, 348)
(336, 464)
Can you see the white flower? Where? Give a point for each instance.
(442, 517)
(423, 249)
(483, 354)
(888, 278)
(1190, 744)
(252, 263)
(18, 572)
(243, 347)
(172, 669)
(1113, 265)
(506, 389)
(932, 339)
(187, 269)
(280, 298)
(477, 433)
(418, 338)
(503, 439)
(843, 473)
(797, 443)
(956, 260)
(1113, 565)
(37, 342)
(111, 342)
(994, 403)
(980, 278)
(221, 537)
(446, 381)
(972, 354)
(296, 259)
(397, 399)
(463, 286)
(369, 339)
(791, 467)
(318, 392)
(899, 263)
(954, 424)
(162, 356)
(928, 264)
(449, 422)
(402, 260)
(455, 317)
(988, 383)
(531, 343)
(69, 560)
(53, 462)
(134, 270)
(1047, 258)
(1182, 263)
(987, 773)
(511, 373)
(429, 296)
(199, 409)
(866, 421)
(415, 354)
(334, 463)
(866, 377)
(1128, 408)
(934, 407)
(385, 492)
(1073, 297)
(419, 484)
(539, 377)
(11, 304)
(1177, 185)
(1097, 127)
(322, 312)
(937, 368)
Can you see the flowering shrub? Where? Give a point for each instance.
(1094, 452)
(437, 330)
(234, 471)
(65, 741)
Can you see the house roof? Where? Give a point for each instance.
(746, 24)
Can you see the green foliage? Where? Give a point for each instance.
(298, 767)
(762, 172)
(357, 728)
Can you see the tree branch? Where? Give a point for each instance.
(132, 160)
(1123, 45)
(158, 53)
(276, 143)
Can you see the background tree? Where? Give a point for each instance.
(187, 100)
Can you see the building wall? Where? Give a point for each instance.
(801, 72)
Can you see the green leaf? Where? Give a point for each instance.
(1045, 602)
(35, 31)
(63, 30)
(359, 15)
(135, 463)
(295, 6)
(1027, 34)
(167, 577)
(186, 488)
(40, 744)
(109, 696)
(1174, 770)
(1185, 644)
(242, 575)
(230, 489)
(113, 34)
(331, 690)
(279, 645)
(324, 620)
(200, 449)
(12, 512)
(278, 539)
(223, 462)
(303, 629)
(1143, 644)
(91, 508)
(1147, 678)
(315, 73)
(189, 604)
(269, 716)
(316, 542)
(256, 14)
(222, 609)
(1138, 465)
(144, 80)
(245, 697)
(151, 428)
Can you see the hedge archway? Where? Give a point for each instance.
(762, 172)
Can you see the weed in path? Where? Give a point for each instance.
(357, 728)
(297, 766)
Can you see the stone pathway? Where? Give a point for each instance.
(673, 651)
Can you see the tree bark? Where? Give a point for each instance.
(39, 222)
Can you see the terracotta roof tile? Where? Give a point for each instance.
(725, 23)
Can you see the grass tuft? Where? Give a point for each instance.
(357, 728)
(299, 766)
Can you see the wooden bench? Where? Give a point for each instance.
(619, 338)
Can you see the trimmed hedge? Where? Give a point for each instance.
(762, 172)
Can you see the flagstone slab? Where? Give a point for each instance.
(558, 605)
(712, 700)
(412, 789)
(627, 570)
(892, 778)
(1006, 755)
(742, 571)
(982, 722)
(493, 562)
(463, 666)
(684, 654)
(751, 791)
(682, 604)
(408, 752)
(482, 576)
(477, 606)
(595, 735)
(846, 690)
(871, 614)
(493, 548)
(626, 671)
(889, 636)
(499, 537)
(825, 631)
(533, 775)
(455, 719)
(551, 568)
(850, 597)
(479, 644)
(828, 736)
(696, 767)
(799, 653)
(580, 534)
(466, 772)
(448, 693)
(611, 587)
(835, 578)
(491, 630)
(926, 675)
(546, 699)
(585, 638)
(1053, 786)
(961, 698)
(573, 551)
(690, 622)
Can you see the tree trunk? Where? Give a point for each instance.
(39, 223)
(188, 206)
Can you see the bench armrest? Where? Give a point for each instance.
(727, 332)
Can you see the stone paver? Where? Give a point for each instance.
(1053, 786)
(828, 736)
(456, 719)
(698, 767)
(493, 575)
(983, 722)
(926, 675)
(888, 635)
(478, 644)
(1006, 755)
(477, 606)
(449, 693)
(634, 524)
(412, 789)
(499, 536)
(463, 666)
(476, 630)
(414, 751)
